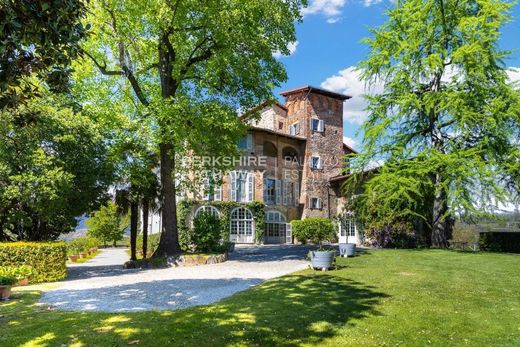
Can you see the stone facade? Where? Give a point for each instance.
(284, 142)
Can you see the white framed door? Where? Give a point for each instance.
(348, 232)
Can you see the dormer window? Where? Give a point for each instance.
(294, 129)
(317, 125)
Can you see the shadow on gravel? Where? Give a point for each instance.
(289, 311)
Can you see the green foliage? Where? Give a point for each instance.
(447, 118)
(187, 67)
(53, 168)
(81, 245)
(7, 280)
(463, 232)
(153, 242)
(46, 258)
(106, 224)
(316, 230)
(19, 272)
(26, 52)
(206, 235)
(496, 241)
(187, 207)
(397, 234)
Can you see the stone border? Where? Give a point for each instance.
(199, 259)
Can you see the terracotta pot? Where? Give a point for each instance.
(73, 258)
(23, 282)
(5, 292)
(82, 255)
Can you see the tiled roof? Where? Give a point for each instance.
(316, 90)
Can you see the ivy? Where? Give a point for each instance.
(186, 208)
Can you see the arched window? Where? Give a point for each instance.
(275, 227)
(210, 209)
(242, 226)
(270, 149)
(290, 154)
(274, 217)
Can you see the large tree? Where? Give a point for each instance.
(53, 168)
(191, 65)
(447, 120)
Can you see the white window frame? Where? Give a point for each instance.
(242, 223)
(268, 199)
(207, 208)
(320, 125)
(319, 164)
(217, 190)
(294, 129)
(315, 203)
(241, 186)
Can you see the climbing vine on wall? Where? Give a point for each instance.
(186, 208)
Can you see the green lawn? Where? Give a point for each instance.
(390, 297)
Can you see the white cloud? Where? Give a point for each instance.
(349, 141)
(348, 81)
(292, 49)
(368, 3)
(331, 9)
(514, 74)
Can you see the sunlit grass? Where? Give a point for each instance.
(393, 297)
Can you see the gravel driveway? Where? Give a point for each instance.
(102, 285)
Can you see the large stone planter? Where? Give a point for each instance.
(322, 259)
(5, 292)
(347, 249)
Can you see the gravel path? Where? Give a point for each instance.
(102, 285)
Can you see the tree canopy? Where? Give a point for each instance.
(447, 122)
(187, 67)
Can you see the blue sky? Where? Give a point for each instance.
(329, 46)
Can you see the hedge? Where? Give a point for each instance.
(47, 258)
(500, 241)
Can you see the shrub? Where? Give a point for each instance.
(7, 280)
(46, 258)
(206, 235)
(152, 242)
(316, 230)
(394, 235)
(81, 245)
(500, 241)
(19, 272)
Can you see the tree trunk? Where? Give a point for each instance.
(146, 209)
(134, 211)
(169, 242)
(441, 225)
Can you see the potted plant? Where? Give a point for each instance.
(22, 274)
(6, 282)
(317, 230)
(73, 258)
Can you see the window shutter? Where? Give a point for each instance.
(249, 140)
(321, 125)
(288, 233)
(278, 195)
(250, 186)
(233, 186)
(292, 130)
(266, 197)
(320, 163)
(218, 193)
(284, 192)
(296, 193)
(318, 203)
(297, 128)
(311, 124)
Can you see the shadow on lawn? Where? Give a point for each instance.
(284, 312)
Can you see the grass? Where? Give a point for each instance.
(390, 297)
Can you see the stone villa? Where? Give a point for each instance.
(298, 172)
